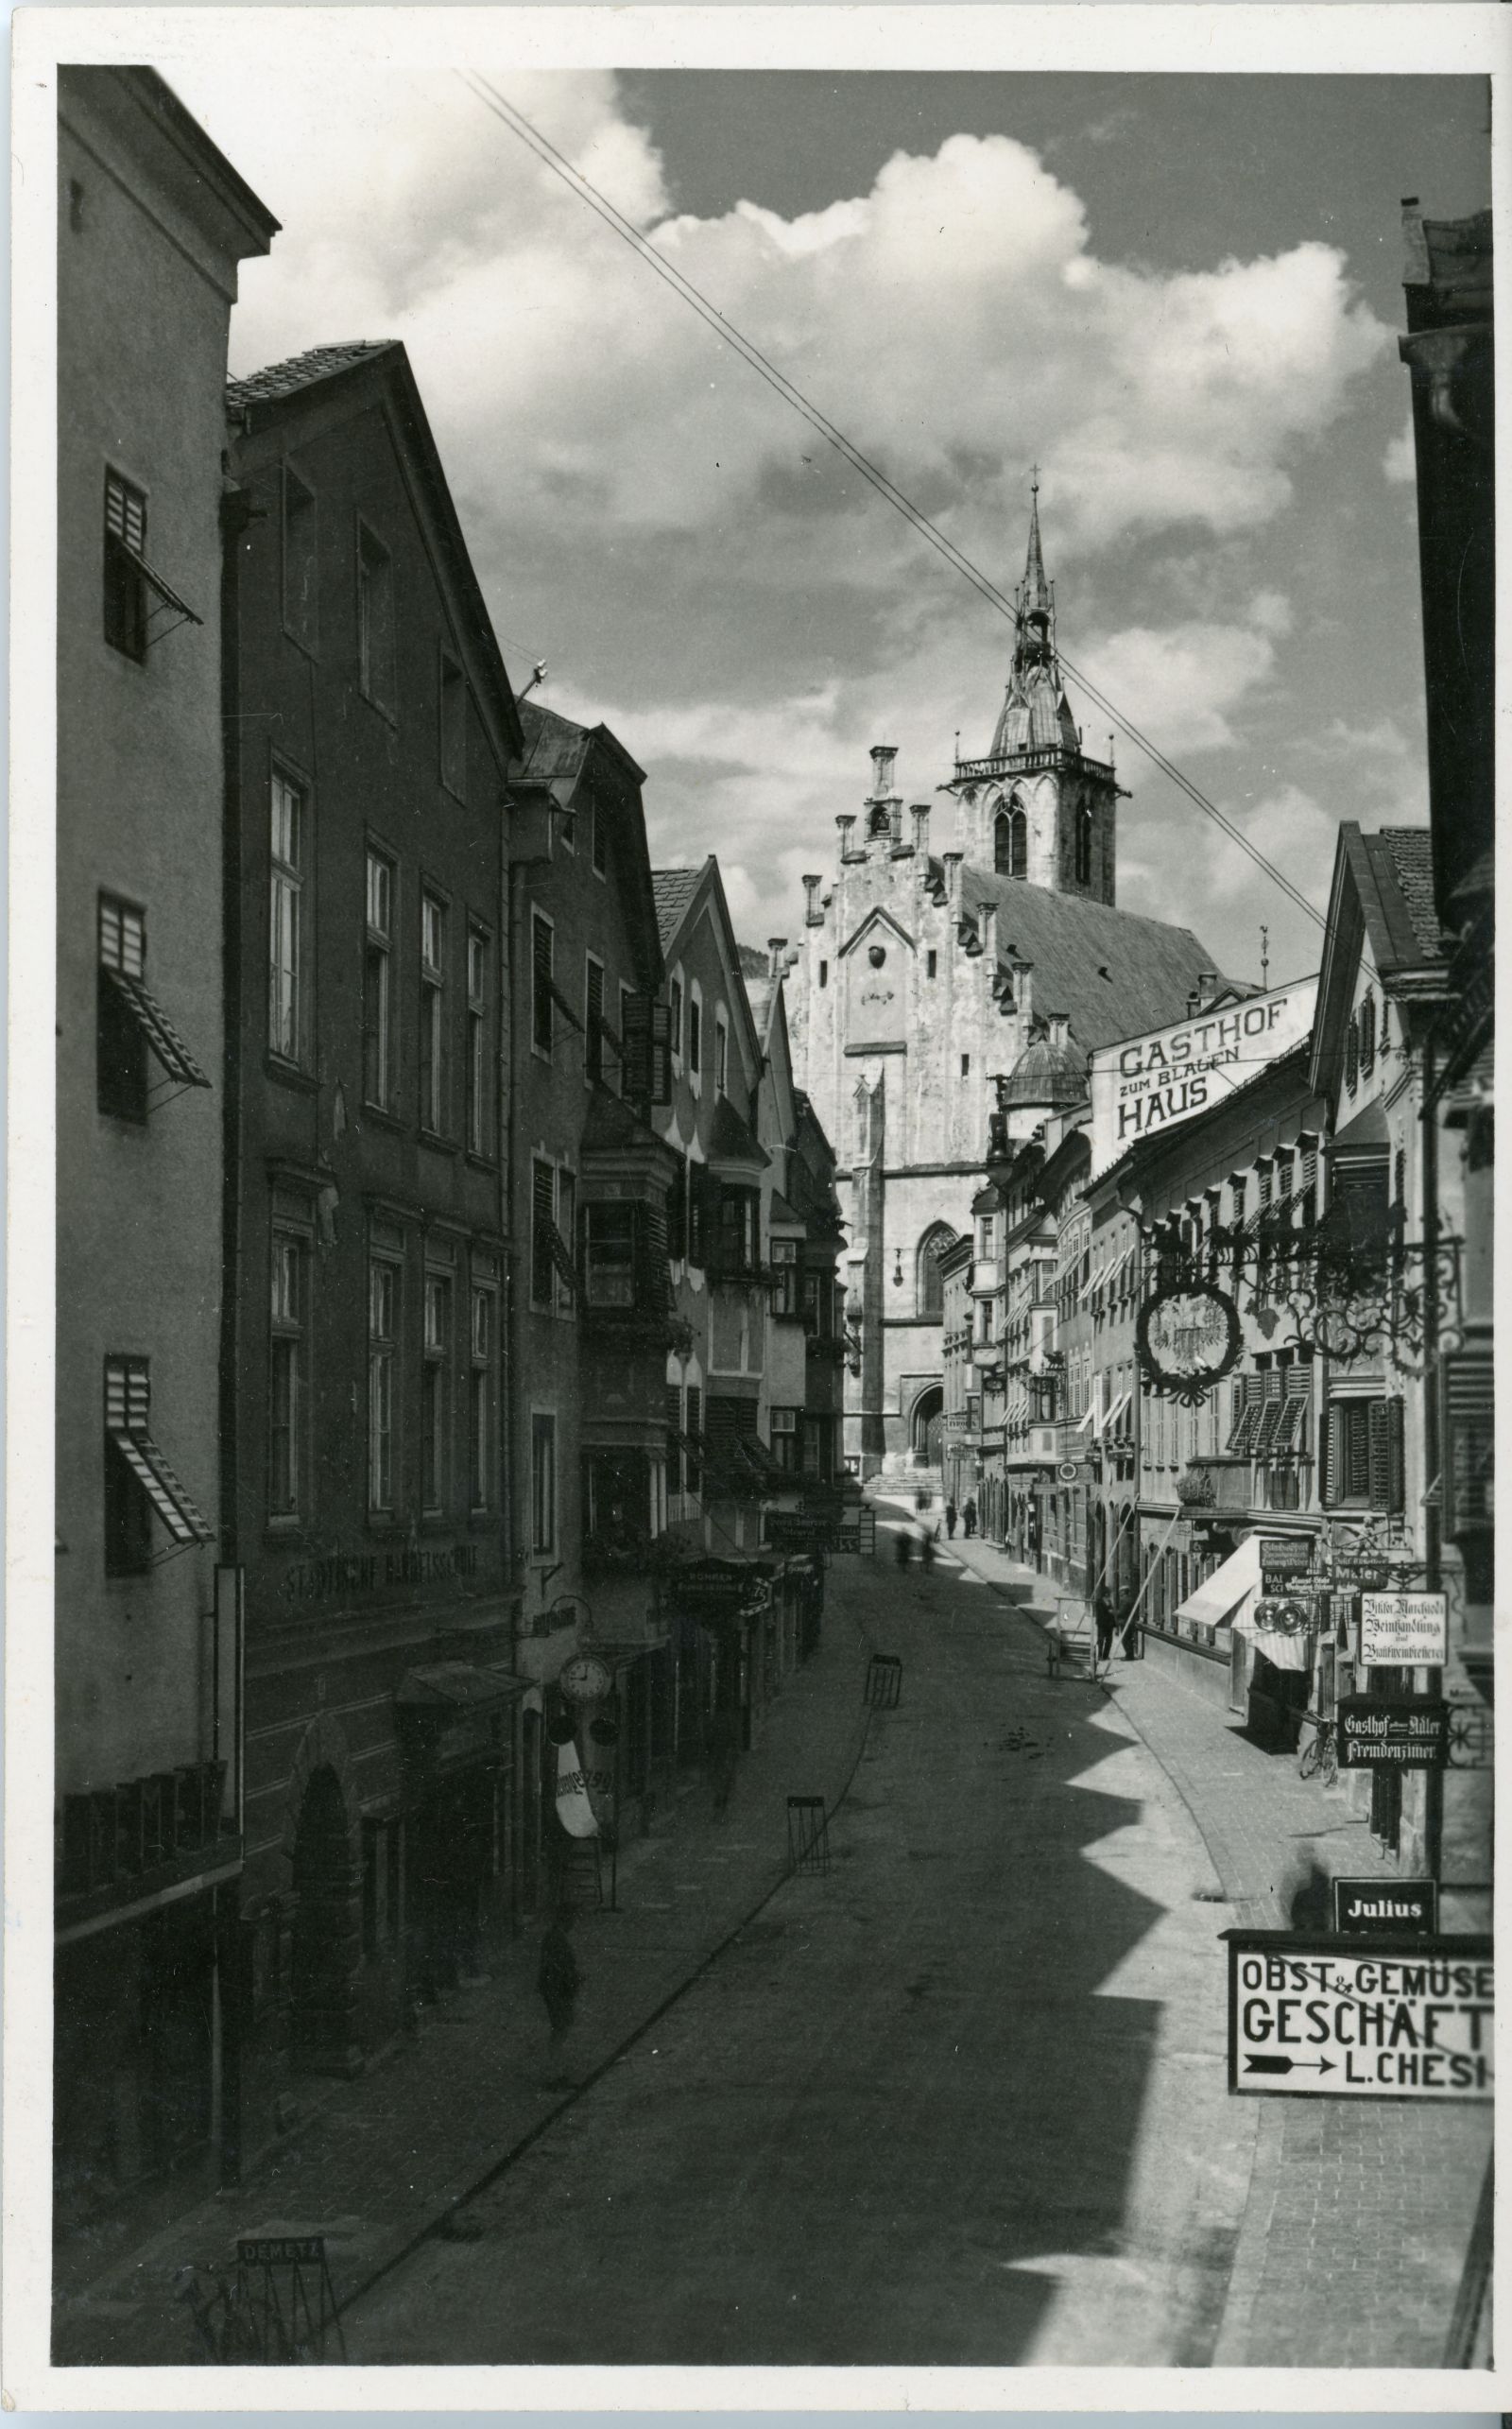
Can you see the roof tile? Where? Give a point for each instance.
(1151, 967)
(303, 370)
(674, 889)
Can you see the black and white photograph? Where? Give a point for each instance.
(754, 778)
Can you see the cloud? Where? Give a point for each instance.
(1184, 682)
(698, 565)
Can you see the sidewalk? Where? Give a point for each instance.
(1360, 2213)
(385, 2157)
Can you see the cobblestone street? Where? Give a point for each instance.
(962, 2100)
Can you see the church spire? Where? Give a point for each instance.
(1036, 597)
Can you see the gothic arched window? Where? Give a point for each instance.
(1084, 848)
(929, 1287)
(1010, 843)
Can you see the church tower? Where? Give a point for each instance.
(948, 982)
(1035, 807)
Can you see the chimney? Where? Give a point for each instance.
(1024, 991)
(1059, 1029)
(919, 814)
(1206, 986)
(988, 916)
(952, 876)
(776, 947)
(883, 755)
(844, 822)
(813, 913)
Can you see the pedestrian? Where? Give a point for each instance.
(558, 1982)
(968, 1520)
(950, 1522)
(926, 1547)
(1106, 1619)
(903, 1547)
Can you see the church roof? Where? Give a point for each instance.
(1111, 972)
(1034, 716)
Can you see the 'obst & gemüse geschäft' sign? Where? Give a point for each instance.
(1355, 2019)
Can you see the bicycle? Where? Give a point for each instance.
(1319, 1757)
(230, 2324)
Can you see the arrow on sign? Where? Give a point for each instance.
(1289, 2065)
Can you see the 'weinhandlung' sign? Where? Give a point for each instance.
(1148, 1084)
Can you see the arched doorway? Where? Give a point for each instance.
(327, 1931)
(927, 1427)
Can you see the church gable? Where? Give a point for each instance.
(877, 963)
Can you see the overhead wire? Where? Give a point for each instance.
(561, 167)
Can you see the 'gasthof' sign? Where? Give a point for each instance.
(1405, 1631)
(1409, 1730)
(1147, 1084)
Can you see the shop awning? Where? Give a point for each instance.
(1227, 1597)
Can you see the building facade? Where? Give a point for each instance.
(152, 224)
(363, 1438)
(946, 942)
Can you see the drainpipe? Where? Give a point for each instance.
(1433, 1449)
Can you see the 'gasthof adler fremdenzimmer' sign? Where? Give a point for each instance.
(1148, 1084)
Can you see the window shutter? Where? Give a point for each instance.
(695, 1430)
(593, 1021)
(678, 1211)
(660, 1054)
(1395, 1457)
(1331, 1450)
(1470, 1441)
(540, 945)
(698, 1213)
(635, 1024)
(542, 1205)
(652, 1282)
(1351, 1056)
(1379, 1484)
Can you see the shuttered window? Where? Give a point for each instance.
(1469, 1443)
(138, 1477)
(542, 1227)
(594, 1020)
(1363, 1460)
(541, 991)
(130, 1022)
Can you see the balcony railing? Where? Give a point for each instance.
(1231, 1482)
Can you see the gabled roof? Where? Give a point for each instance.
(674, 889)
(559, 750)
(262, 396)
(682, 895)
(1381, 905)
(877, 915)
(1151, 967)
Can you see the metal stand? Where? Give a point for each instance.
(808, 1836)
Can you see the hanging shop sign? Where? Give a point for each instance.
(1149, 1084)
(713, 1589)
(1404, 1630)
(1386, 1910)
(792, 1531)
(1286, 1556)
(1408, 1730)
(575, 1809)
(1342, 2018)
(1186, 1339)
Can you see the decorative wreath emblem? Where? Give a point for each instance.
(1186, 1339)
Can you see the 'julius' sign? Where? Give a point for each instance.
(1148, 1084)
